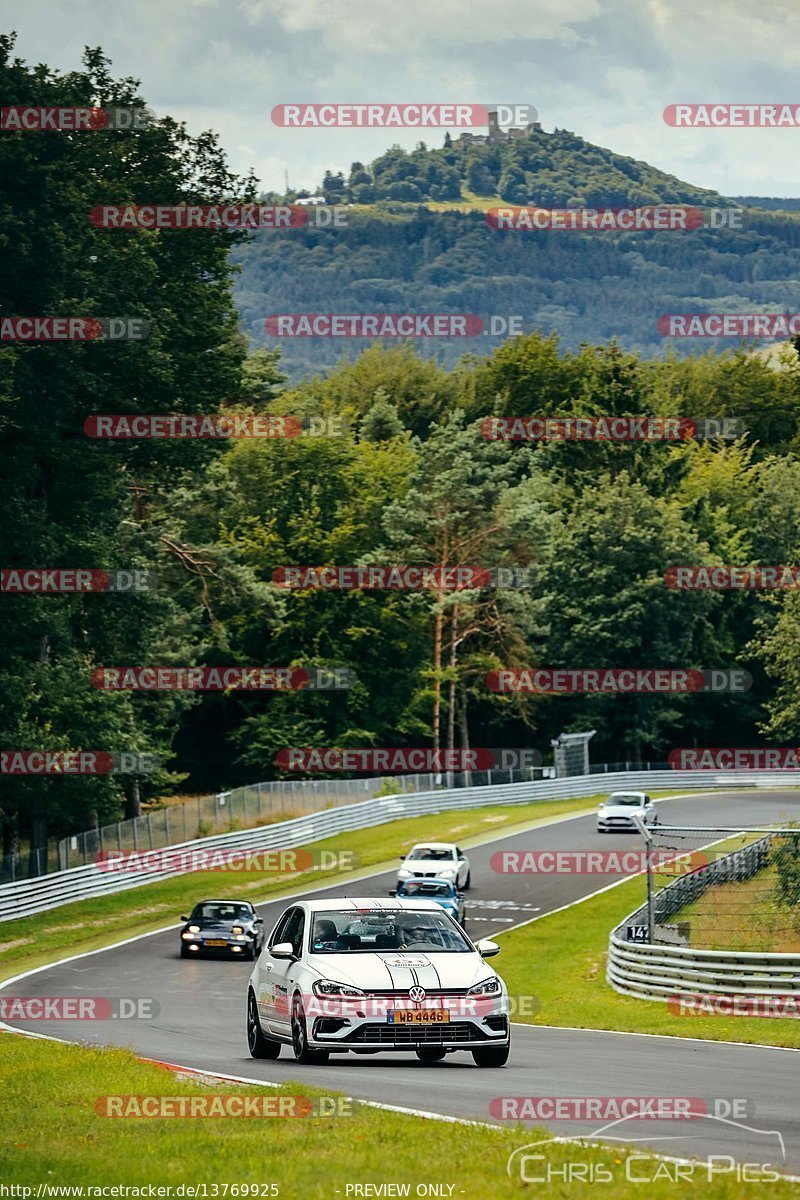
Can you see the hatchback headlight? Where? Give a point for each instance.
(329, 987)
(487, 987)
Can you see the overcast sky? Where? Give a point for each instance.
(603, 68)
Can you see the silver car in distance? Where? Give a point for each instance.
(365, 976)
(616, 813)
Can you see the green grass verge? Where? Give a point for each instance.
(744, 916)
(90, 924)
(560, 959)
(53, 1134)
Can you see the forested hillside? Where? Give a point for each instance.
(410, 479)
(587, 287)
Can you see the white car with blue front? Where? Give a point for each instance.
(617, 812)
(367, 976)
(441, 891)
(436, 860)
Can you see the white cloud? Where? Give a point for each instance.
(605, 70)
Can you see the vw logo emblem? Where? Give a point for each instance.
(417, 994)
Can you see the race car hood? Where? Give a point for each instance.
(387, 970)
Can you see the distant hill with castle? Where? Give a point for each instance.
(525, 165)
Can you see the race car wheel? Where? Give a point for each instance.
(430, 1054)
(300, 1037)
(491, 1056)
(257, 1044)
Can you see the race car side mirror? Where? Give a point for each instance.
(283, 950)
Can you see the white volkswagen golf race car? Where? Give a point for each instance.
(370, 975)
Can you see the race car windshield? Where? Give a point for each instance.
(412, 888)
(345, 933)
(222, 912)
(626, 801)
(432, 853)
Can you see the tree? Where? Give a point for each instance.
(382, 422)
(449, 517)
(74, 501)
(333, 187)
(262, 378)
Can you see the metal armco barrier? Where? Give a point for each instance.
(80, 883)
(660, 971)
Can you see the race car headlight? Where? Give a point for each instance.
(193, 929)
(237, 929)
(487, 987)
(403, 873)
(329, 987)
(187, 936)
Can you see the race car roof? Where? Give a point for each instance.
(369, 904)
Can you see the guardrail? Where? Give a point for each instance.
(659, 971)
(42, 893)
(255, 804)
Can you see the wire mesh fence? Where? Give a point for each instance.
(721, 889)
(255, 804)
(259, 804)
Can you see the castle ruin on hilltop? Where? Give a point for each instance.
(496, 134)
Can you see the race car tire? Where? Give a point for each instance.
(303, 1054)
(258, 1045)
(430, 1054)
(491, 1056)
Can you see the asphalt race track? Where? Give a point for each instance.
(201, 1019)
